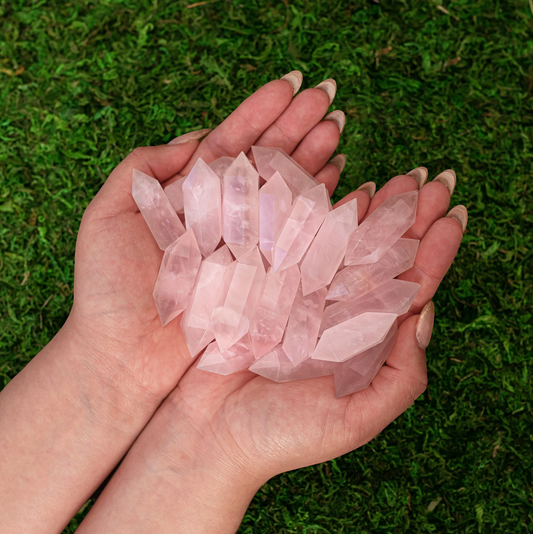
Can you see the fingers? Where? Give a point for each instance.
(395, 186)
(363, 201)
(330, 173)
(305, 111)
(247, 123)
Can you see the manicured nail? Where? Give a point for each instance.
(338, 117)
(190, 136)
(329, 87)
(448, 178)
(369, 187)
(339, 161)
(460, 214)
(420, 174)
(295, 78)
(424, 326)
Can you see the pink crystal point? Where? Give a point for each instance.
(175, 282)
(380, 230)
(304, 322)
(307, 214)
(394, 296)
(174, 192)
(236, 358)
(352, 337)
(276, 366)
(355, 281)
(156, 208)
(195, 320)
(273, 309)
(237, 300)
(357, 374)
(221, 165)
(241, 206)
(203, 206)
(270, 160)
(328, 248)
(275, 200)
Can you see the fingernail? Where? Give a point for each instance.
(420, 174)
(190, 136)
(329, 87)
(338, 117)
(295, 78)
(448, 178)
(424, 326)
(339, 161)
(369, 187)
(459, 213)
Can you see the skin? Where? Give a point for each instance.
(209, 441)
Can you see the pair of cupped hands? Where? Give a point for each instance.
(115, 384)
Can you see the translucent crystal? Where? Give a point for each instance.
(236, 358)
(394, 296)
(354, 336)
(307, 214)
(174, 192)
(177, 274)
(156, 208)
(241, 206)
(275, 200)
(304, 322)
(195, 320)
(381, 229)
(240, 292)
(270, 160)
(203, 206)
(328, 248)
(355, 281)
(220, 165)
(273, 309)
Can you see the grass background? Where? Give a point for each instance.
(437, 83)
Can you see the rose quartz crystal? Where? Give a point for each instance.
(237, 300)
(273, 309)
(221, 165)
(241, 206)
(174, 192)
(203, 206)
(236, 358)
(353, 336)
(270, 160)
(328, 248)
(304, 322)
(381, 229)
(156, 208)
(195, 320)
(394, 296)
(355, 281)
(307, 214)
(175, 282)
(275, 200)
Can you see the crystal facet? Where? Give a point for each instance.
(195, 320)
(175, 282)
(203, 206)
(381, 229)
(354, 336)
(273, 309)
(307, 214)
(328, 248)
(241, 206)
(156, 208)
(355, 281)
(220, 165)
(237, 300)
(174, 192)
(236, 358)
(270, 160)
(275, 200)
(304, 322)
(394, 296)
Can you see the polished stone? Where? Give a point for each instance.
(174, 192)
(238, 357)
(220, 165)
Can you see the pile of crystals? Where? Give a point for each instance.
(268, 277)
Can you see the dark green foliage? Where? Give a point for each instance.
(84, 82)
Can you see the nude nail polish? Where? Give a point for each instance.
(295, 78)
(424, 326)
(368, 187)
(339, 161)
(338, 117)
(459, 213)
(329, 87)
(420, 174)
(448, 178)
(190, 136)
